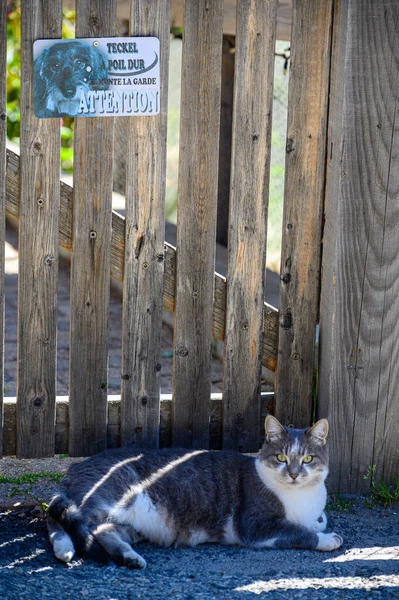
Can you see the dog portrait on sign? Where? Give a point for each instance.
(63, 72)
(96, 77)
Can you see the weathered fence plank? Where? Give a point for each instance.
(144, 243)
(229, 26)
(303, 205)
(38, 247)
(359, 330)
(114, 422)
(196, 220)
(3, 133)
(90, 271)
(252, 118)
(270, 323)
(270, 316)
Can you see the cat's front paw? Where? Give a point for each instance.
(132, 560)
(320, 524)
(329, 542)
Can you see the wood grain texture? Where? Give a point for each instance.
(196, 220)
(270, 317)
(284, 12)
(91, 257)
(144, 242)
(229, 15)
(249, 192)
(303, 206)
(114, 422)
(359, 330)
(38, 248)
(3, 132)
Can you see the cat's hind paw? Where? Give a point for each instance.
(64, 549)
(329, 542)
(132, 560)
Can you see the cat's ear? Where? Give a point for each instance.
(319, 432)
(273, 428)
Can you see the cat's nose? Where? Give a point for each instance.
(293, 475)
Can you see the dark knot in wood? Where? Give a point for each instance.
(182, 351)
(139, 246)
(37, 146)
(286, 319)
(290, 146)
(286, 278)
(238, 422)
(38, 401)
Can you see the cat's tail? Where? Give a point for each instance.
(69, 533)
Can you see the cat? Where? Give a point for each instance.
(169, 497)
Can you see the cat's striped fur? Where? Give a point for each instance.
(111, 501)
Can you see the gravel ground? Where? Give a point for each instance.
(367, 565)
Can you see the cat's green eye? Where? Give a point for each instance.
(282, 457)
(307, 459)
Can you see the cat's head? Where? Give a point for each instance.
(295, 457)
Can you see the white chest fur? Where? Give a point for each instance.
(302, 505)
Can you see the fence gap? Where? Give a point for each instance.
(38, 247)
(270, 314)
(249, 191)
(144, 246)
(3, 135)
(90, 269)
(303, 207)
(196, 220)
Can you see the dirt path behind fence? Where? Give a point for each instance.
(115, 328)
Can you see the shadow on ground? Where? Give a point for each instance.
(367, 565)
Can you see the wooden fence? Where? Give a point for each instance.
(327, 87)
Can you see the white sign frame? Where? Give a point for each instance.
(97, 77)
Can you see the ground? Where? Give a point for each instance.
(366, 567)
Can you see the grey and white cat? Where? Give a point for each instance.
(180, 497)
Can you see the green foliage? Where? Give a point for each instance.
(381, 493)
(15, 491)
(339, 503)
(13, 70)
(29, 478)
(14, 81)
(177, 32)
